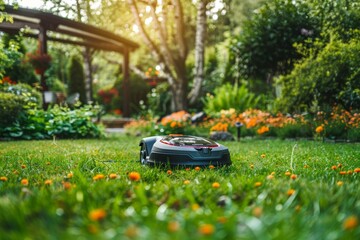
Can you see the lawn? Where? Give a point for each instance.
(87, 189)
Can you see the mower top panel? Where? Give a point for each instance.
(182, 150)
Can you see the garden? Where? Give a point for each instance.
(277, 82)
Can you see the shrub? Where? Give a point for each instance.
(332, 77)
(228, 96)
(76, 78)
(11, 105)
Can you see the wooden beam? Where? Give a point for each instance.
(53, 21)
(126, 84)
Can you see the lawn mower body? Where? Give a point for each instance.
(175, 150)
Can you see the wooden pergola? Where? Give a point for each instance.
(86, 35)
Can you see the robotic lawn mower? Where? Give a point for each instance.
(181, 150)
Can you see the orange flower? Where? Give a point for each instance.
(257, 184)
(24, 182)
(357, 170)
(187, 169)
(207, 229)
(173, 226)
(342, 172)
(270, 177)
(173, 124)
(134, 176)
(197, 168)
(222, 219)
(293, 176)
(263, 130)
(334, 167)
(211, 166)
(23, 166)
(98, 177)
(66, 185)
(186, 182)
(287, 173)
(257, 212)
(48, 182)
(3, 179)
(216, 185)
(319, 129)
(97, 214)
(131, 231)
(112, 175)
(350, 222)
(169, 172)
(70, 175)
(290, 192)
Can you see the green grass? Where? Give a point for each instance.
(145, 209)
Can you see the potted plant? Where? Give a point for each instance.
(41, 62)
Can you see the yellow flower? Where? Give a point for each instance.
(340, 183)
(48, 182)
(287, 173)
(186, 182)
(257, 184)
(207, 229)
(23, 166)
(216, 185)
(24, 182)
(350, 222)
(3, 179)
(97, 214)
(262, 155)
(70, 175)
(134, 176)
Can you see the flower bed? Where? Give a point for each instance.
(337, 124)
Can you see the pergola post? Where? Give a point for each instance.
(43, 50)
(126, 84)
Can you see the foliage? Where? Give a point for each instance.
(61, 122)
(228, 96)
(82, 188)
(15, 100)
(265, 47)
(332, 76)
(11, 105)
(76, 79)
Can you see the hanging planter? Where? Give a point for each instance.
(40, 62)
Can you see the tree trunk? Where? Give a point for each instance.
(199, 50)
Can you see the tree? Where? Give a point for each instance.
(265, 47)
